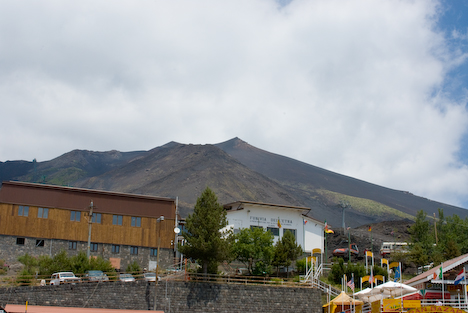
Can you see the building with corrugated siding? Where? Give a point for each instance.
(44, 219)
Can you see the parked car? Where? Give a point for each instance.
(64, 278)
(150, 276)
(126, 277)
(95, 275)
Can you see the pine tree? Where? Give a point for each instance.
(203, 240)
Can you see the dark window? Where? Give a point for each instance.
(115, 249)
(72, 245)
(96, 218)
(23, 210)
(42, 213)
(273, 230)
(133, 250)
(293, 231)
(20, 241)
(136, 221)
(154, 252)
(75, 216)
(117, 220)
(40, 243)
(93, 247)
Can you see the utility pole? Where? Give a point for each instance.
(90, 223)
(159, 220)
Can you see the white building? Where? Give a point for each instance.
(277, 218)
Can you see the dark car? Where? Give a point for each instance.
(95, 275)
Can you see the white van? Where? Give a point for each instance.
(390, 247)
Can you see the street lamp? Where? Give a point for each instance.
(160, 219)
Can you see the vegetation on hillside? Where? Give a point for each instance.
(364, 206)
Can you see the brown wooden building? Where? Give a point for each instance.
(44, 219)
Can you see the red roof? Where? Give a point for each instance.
(14, 308)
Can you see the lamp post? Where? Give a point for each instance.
(90, 223)
(159, 220)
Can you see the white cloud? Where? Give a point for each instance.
(351, 86)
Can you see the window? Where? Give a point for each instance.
(42, 213)
(136, 221)
(115, 249)
(154, 252)
(133, 250)
(20, 241)
(75, 216)
(23, 210)
(273, 230)
(93, 247)
(72, 245)
(253, 227)
(96, 218)
(117, 220)
(40, 243)
(293, 231)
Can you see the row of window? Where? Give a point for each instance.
(115, 248)
(135, 221)
(72, 245)
(275, 231)
(41, 212)
(75, 216)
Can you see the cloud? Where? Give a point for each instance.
(356, 87)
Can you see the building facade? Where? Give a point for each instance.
(278, 219)
(44, 219)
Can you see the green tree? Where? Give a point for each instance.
(78, 264)
(286, 251)
(422, 239)
(204, 240)
(254, 248)
(133, 267)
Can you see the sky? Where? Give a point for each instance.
(376, 90)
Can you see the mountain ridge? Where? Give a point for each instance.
(235, 170)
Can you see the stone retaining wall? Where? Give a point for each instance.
(171, 297)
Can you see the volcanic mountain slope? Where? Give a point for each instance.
(364, 202)
(235, 171)
(184, 171)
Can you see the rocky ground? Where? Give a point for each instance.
(369, 240)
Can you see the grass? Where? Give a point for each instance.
(364, 206)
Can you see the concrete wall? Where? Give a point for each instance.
(171, 297)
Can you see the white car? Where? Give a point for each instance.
(64, 278)
(150, 276)
(126, 277)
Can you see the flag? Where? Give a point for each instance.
(459, 278)
(392, 233)
(279, 223)
(397, 273)
(328, 230)
(350, 284)
(370, 228)
(305, 222)
(441, 273)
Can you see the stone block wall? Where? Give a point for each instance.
(10, 251)
(171, 297)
